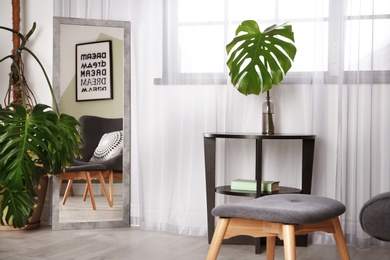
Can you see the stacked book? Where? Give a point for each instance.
(250, 185)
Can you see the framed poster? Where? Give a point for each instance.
(94, 71)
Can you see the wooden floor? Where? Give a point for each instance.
(77, 210)
(133, 243)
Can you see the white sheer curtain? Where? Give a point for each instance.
(342, 99)
(362, 165)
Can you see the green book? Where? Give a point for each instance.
(250, 185)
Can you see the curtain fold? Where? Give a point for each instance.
(345, 104)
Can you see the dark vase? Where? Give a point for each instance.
(268, 117)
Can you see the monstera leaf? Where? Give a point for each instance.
(258, 60)
(35, 139)
(32, 142)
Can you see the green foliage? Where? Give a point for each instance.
(258, 60)
(70, 141)
(35, 140)
(17, 206)
(32, 141)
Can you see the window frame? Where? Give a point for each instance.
(171, 76)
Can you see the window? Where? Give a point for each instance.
(198, 31)
(372, 17)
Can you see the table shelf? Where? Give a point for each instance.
(226, 190)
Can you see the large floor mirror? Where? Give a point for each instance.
(92, 78)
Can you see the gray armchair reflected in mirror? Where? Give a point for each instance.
(95, 191)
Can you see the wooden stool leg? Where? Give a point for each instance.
(270, 251)
(339, 238)
(216, 242)
(289, 242)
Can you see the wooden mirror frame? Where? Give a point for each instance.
(125, 25)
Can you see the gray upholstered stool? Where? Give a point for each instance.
(283, 216)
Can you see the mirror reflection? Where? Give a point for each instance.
(89, 183)
(91, 78)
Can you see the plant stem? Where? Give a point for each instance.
(17, 95)
(18, 88)
(15, 25)
(55, 105)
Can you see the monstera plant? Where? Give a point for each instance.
(259, 60)
(35, 140)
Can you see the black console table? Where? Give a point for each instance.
(210, 163)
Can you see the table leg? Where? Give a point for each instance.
(307, 165)
(259, 165)
(259, 177)
(210, 160)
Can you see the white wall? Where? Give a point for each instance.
(41, 43)
(6, 46)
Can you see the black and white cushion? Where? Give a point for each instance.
(110, 145)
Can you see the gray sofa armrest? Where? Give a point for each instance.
(375, 216)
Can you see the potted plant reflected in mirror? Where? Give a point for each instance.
(259, 60)
(36, 141)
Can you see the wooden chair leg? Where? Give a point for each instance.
(270, 251)
(289, 242)
(339, 238)
(71, 188)
(67, 190)
(216, 242)
(111, 183)
(85, 192)
(89, 183)
(102, 182)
